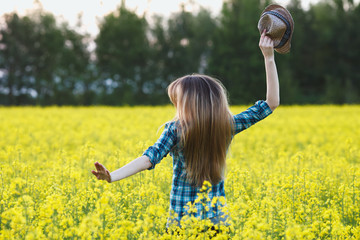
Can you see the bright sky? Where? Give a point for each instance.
(93, 10)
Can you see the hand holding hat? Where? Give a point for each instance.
(279, 26)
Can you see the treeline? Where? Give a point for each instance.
(46, 62)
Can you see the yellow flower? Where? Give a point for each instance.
(301, 184)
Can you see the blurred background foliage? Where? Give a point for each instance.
(44, 61)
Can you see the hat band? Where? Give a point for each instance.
(287, 33)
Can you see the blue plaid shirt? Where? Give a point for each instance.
(182, 192)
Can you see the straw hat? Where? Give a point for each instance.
(279, 26)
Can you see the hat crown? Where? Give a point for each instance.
(273, 25)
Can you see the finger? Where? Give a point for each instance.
(261, 41)
(99, 167)
(95, 173)
(96, 164)
(263, 44)
(263, 32)
(269, 42)
(272, 43)
(263, 35)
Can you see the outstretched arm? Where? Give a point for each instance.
(150, 158)
(135, 166)
(272, 81)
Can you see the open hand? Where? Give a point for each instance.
(102, 173)
(266, 45)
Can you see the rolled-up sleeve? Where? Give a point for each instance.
(252, 115)
(163, 145)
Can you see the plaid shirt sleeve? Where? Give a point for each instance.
(163, 145)
(251, 116)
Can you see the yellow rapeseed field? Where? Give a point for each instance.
(295, 175)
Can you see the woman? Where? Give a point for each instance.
(198, 139)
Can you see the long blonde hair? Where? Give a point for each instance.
(205, 126)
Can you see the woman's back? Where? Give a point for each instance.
(184, 191)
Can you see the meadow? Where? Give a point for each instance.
(294, 175)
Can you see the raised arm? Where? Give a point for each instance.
(272, 81)
(135, 166)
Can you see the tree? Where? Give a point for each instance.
(345, 54)
(16, 80)
(45, 55)
(44, 61)
(181, 46)
(235, 57)
(188, 41)
(75, 73)
(122, 51)
(36, 60)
